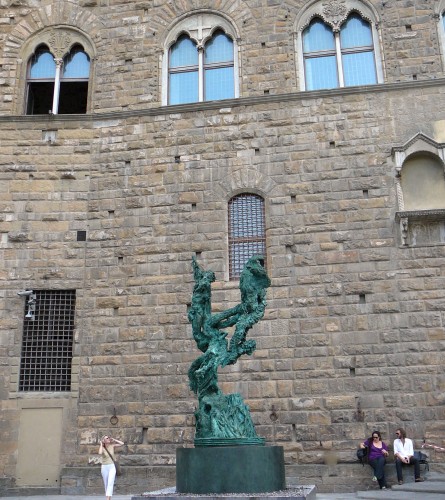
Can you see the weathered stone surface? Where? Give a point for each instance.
(355, 321)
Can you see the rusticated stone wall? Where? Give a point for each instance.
(353, 337)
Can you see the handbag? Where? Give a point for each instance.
(362, 453)
(423, 459)
(116, 464)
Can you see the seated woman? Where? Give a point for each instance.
(377, 453)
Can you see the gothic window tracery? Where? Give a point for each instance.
(337, 45)
(200, 61)
(57, 85)
(57, 73)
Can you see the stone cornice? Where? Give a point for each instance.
(435, 214)
(52, 120)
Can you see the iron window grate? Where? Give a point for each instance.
(47, 345)
(247, 231)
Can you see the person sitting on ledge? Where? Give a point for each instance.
(377, 453)
(404, 455)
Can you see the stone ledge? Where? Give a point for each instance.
(226, 103)
(436, 214)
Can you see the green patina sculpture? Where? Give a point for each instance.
(224, 419)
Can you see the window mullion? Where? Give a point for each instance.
(56, 95)
(341, 79)
(200, 73)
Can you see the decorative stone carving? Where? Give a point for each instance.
(59, 42)
(200, 27)
(404, 230)
(421, 227)
(334, 12)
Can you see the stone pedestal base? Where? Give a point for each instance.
(230, 469)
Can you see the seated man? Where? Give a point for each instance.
(404, 454)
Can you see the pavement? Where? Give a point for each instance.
(432, 489)
(369, 495)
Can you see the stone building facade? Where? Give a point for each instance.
(103, 206)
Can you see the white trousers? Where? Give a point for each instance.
(108, 475)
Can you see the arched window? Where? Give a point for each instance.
(74, 82)
(218, 68)
(320, 60)
(41, 72)
(337, 45)
(57, 85)
(184, 71)
(188, 82)
(357, 52)
(200, 61)
(339, 59)
(247, 231)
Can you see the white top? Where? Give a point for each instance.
(403, 450)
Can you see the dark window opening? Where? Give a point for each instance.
(73, 98)
(40, 98)
(81, 236)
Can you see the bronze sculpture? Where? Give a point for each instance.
(224, 419)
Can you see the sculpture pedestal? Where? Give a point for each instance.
(230, 469)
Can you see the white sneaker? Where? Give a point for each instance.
(374, 479)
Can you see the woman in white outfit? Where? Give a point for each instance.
(108, 469)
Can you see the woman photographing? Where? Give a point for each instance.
(108, 469)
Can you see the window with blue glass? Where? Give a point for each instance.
(442, 31)
(247, 231)
(339, 59)
(57, 85)
(201, 75)
(184, 71)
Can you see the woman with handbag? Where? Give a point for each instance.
(108, 469)
(377, 453)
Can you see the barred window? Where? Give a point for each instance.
(247, 231)
(47, 345)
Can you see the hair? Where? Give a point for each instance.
(378, 434)
(402, 432)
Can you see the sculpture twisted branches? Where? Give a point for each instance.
(220, 419)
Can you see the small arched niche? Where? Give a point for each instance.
(423, 182)
(420, 185)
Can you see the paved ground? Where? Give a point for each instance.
(378, 495)
(432, 489)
